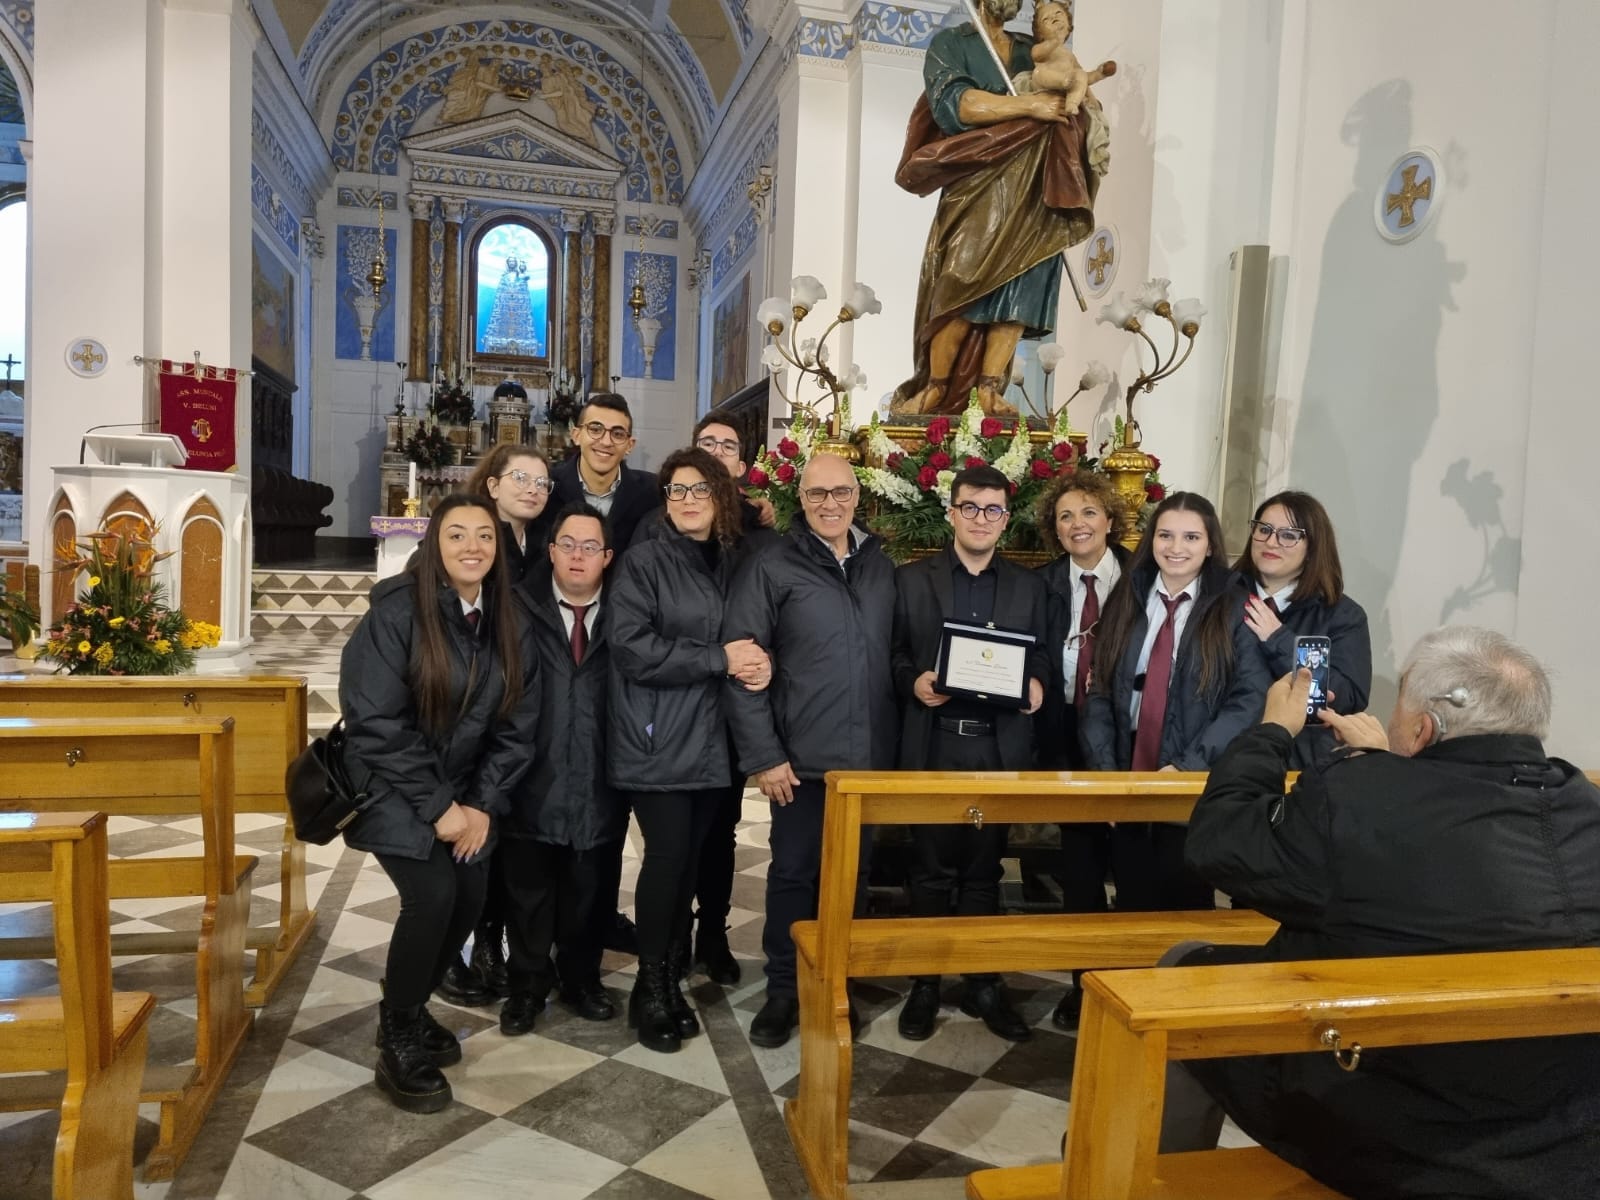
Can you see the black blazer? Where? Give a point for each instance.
(1055, 729)
(637, 494)
(924, 601)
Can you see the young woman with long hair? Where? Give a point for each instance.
(516, 482)
(1176, 677)
(1295, 588)
(438, 687)
(668, 738)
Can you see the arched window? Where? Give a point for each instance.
(512, 267)
(13, 284)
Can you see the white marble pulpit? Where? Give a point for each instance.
(202, 517)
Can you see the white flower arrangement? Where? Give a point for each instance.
(879, 444)
(966, 442)
(1013, 464)
(888, 487)
(946, 479)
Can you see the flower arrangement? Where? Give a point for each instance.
(120, 625)
(563, 407)
(776, 473)
(429, 447)
(19, 620)
(451, 404)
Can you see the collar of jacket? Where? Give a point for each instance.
(450, 605)
(1508, 748)
(1215, 581)
(810, 543)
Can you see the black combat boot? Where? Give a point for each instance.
(405, 1072)
(677, 967)
(649, 1008)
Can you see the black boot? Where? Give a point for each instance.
(649, 1008)
(405, 1073)
(677, 967)
(443, 1047)
(462, 987)
(711, 951)
(488, 959)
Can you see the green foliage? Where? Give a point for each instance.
(19, 620)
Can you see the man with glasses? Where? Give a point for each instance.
(599, 475)
(820, 602)
(721, 440)
(955, 869)
(566, 826)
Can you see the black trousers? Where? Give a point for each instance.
(1147, 863)
(674, 825)
(439, 904)
(713, 889)
(556, 898)
(792, 878)
(956, 868)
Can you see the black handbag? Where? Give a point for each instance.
(322, 800)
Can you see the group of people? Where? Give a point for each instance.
(570, 646)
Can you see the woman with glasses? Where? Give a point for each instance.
(1296, 589)
(668, 738)
(516, 480)
(1176, 678)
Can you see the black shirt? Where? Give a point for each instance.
(971, 601)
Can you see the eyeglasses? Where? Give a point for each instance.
(841, 493)
(571, 546)
(601, 433)
(721, 447)
(539, 483)
(682, 491)
(989, 512)
(1285, 535)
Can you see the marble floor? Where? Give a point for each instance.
(575, 1110)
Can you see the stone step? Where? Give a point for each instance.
(285, 600)
(265, 579)
(333, 624)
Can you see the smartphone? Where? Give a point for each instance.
(1313, 654)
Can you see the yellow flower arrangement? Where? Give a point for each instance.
(199, 635)
(84, 647)
(117, 622)
(103, 654)
(163, 646)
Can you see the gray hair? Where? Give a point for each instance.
(1477, 681)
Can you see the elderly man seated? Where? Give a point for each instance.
(1453, 831)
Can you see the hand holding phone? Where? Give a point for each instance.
(1313, 654)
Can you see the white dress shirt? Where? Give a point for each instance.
(1281, 597)
(568, 616)
(1106, 573)
(1155, 612)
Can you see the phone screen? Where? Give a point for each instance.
(1313, 654)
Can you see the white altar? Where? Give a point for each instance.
(201, 517)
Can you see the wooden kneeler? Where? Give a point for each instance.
(97, 1037)
(1135, 1021)
(135, 767)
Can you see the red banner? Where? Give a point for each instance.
(198, 404)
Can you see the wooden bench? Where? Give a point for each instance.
(1134, 1021)
(95, 1036)
(836, 947)
(269, 732)
(135, 767)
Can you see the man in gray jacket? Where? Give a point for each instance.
(821, 603)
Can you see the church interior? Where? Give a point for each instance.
(348, 247)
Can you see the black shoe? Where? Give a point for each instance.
(1068, 1011)
(988, 1000)
(442, 1045)
(622, 936)
(462, 987)
(920, 1013)
(405, 1072)
(711, 951)
(677, 967)
(519, 1012)
(589, 1000)
(488, 960)
(650, 1008)
(775, 1022)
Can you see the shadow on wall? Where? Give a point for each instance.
(1479, 498)
(1371, 390)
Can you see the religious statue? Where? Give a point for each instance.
(468, 90)
(561, 87)
(1017, 184)
(1055, 67)
(511, 329)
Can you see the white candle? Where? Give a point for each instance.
(411, 481)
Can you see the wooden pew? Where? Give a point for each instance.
(835, 947)
(269, 731)
(1134, 1021)
(96, 1036)
(133, 767)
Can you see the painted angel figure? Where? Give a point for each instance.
(1055, 67)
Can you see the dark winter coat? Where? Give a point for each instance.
(924, 601)
(481, 758)
(565, 800)
(1199, 723)
(1056, 724)
(828, 627)
(1349, 667)
(668, 732)
(1477, 843)
(636, 496)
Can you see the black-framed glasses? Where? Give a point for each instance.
(682, 491)
(721, 447)
(603, 433)
(524, 480)
(572, 546)
(989, 512)
(841, 493)
(1284, 535)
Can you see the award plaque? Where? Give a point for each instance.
(982, 662)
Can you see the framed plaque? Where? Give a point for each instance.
(985, 663)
